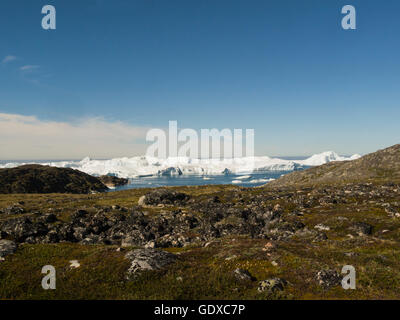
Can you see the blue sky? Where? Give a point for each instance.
(285, 68)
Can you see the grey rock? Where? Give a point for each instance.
(328, 278)
(272, 285)
(163, 196)
(243, 275)
(147, 260)
(141, 201)
(321, 236)
(362, 228)
(322, 227)
(7, 247)
(14, 209)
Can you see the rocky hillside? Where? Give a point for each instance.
(45, 179)
(380, 166)
(208, 242)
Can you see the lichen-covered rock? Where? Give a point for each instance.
(362, 228)
(243, 275)
(20, 229)
(7, 247)
(272, 285)
(328, 278)
(148, 259)
(163, 196)
(14, 209)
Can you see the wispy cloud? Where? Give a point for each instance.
(9, 59)
(27, 137)
(29, 67)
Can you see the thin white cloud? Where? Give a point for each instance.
(9, 59)
(28, 67)
(27, 137)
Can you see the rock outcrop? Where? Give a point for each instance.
(46, 179)
(112, 181)
(163, 196)
(148, 259)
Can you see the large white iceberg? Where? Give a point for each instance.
(325, 157)
(147, 166)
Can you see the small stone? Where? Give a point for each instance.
(350, 254)
(141, 201)
(242, 275)
(74, 264)
(150, 244)
(362, 228)
(322, 227)
(7, 247)
(268, 246)
(321, 236)
(231, 257)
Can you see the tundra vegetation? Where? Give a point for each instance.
(286, 240)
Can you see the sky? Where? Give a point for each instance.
(112, 70)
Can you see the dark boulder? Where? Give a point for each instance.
(362, 228)
(163, 196)
(112, 181)
(7, 247)
(23, 229)
(328, 278)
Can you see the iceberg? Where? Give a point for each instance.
(325, 157)
(143, 166)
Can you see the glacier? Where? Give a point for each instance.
(142, 166)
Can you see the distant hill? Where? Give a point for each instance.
(380, 166)
(45, 179)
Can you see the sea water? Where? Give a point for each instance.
(154, 181)
(248, 180)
